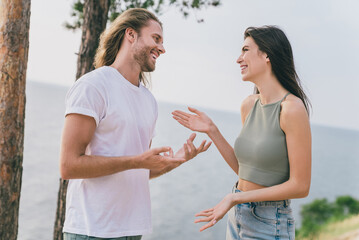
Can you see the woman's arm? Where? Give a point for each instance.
(294, 122)
(200, 122)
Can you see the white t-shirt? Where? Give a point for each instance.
(119, 204)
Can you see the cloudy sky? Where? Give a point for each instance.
(199, 67)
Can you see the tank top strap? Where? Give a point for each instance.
(285, 96)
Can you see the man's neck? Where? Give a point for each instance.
(128, 68)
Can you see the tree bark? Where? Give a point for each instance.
(14, 46)
(61, 209)
(95, 19)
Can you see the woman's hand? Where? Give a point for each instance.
(213, 215)
(199, 121)
(189, 150)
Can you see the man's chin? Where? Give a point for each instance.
(149, 68)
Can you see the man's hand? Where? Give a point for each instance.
(153, 161)
(189, 150)
(159, 165)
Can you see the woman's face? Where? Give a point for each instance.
(253, 62)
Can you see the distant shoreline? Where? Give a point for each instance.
(66, 87)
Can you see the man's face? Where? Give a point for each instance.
(149, 46)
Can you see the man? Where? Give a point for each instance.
(109, 124)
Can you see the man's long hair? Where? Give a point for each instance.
(111, 38)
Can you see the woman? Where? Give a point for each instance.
(272, 154)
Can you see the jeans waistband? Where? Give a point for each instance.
(280, 203)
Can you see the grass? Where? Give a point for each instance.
(347, 229)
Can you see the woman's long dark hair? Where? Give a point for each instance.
(272, 41)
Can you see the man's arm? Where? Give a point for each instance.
(77, 134)
(154, 173)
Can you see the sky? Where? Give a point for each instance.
(199, 67)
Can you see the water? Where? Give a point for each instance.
(178, 195)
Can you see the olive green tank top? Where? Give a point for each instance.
(261, 147)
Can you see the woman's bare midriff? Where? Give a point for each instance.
(245, 185)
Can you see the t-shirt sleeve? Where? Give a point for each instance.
(84, 98)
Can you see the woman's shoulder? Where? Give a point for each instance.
(247, 105)
(249, 101)
(292, 105)
(293, 111)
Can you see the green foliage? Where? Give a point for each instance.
(314, 215)
(77, 15)
(320, 212)
(157, 6)
(346, 205)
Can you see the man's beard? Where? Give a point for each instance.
(142, 56)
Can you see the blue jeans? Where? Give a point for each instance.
(72, 236)
(260, 220)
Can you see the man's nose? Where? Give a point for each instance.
(161, 49)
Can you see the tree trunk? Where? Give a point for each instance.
(60, 212)
(95, 19)
(14, 46)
